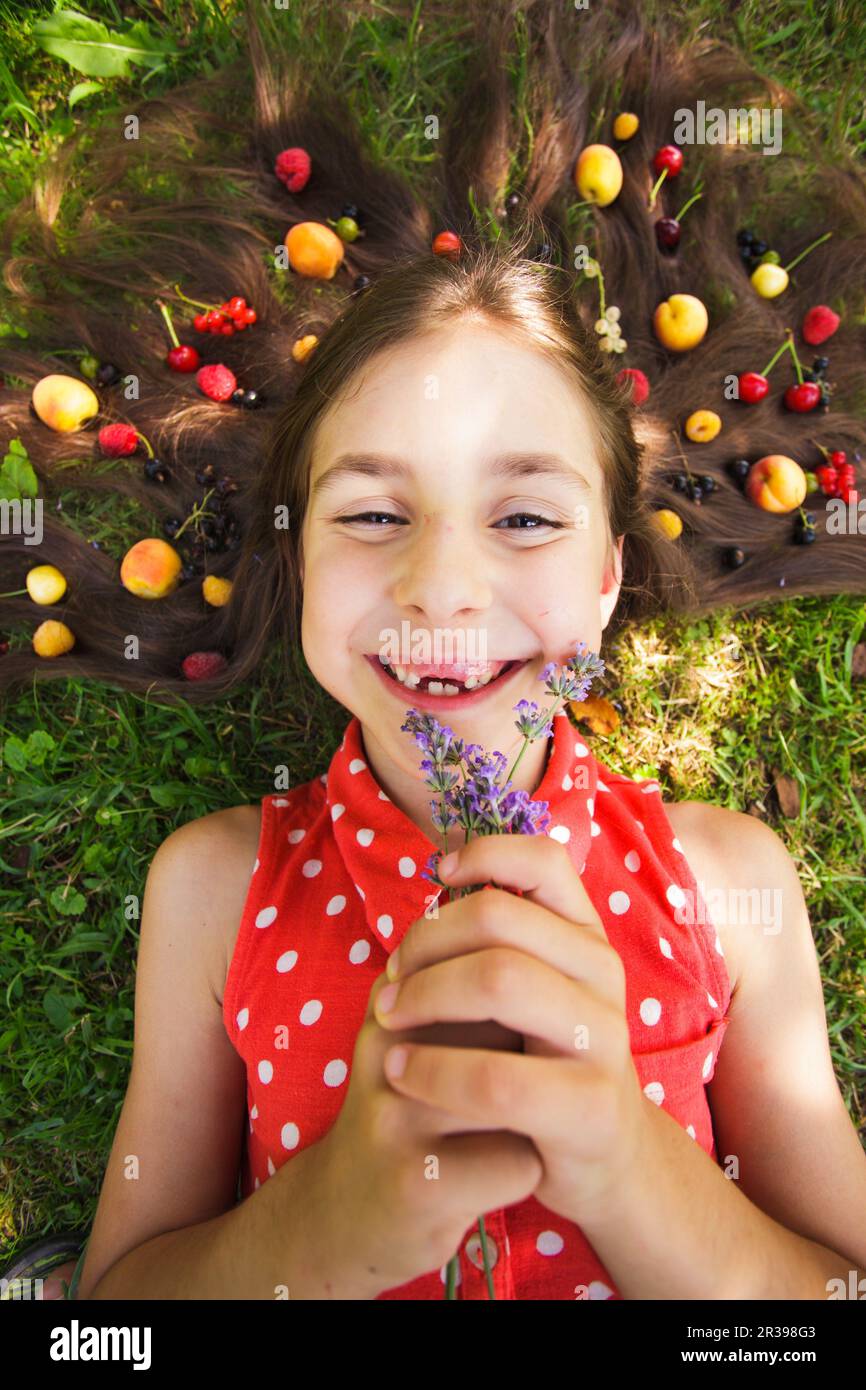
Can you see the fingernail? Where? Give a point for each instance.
(392, 969)
(448, 864)
(386, 998)
(395, 1061)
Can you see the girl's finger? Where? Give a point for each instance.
(495, 917)
(535, 865)
(516, 990)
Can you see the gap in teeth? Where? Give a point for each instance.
(412, 680)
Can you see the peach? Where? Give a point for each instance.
(151, 568)
(598, 174)
(314, 250)
(45, 584)
(64, 403)
(702, 426)
(776, 483)
(52, 638)
(680, 322)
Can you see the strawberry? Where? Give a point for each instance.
(117, 441)
(200, 666)
(216, 381)
(819, 324)
(292, 168)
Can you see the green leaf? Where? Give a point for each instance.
(82, 90)
(89, 47)
(169, 794)
(55, 1007)
(196, 767)
(39, 745)
(17, 472)
(15, 754)
(70, 904)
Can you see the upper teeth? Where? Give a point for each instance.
(412, 679)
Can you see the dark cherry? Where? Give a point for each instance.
(668, 233)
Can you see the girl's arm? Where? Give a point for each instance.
(794, 1216)
(167, 1225)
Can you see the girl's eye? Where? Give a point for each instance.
(391, 517)
(364, 516)
(530, 516)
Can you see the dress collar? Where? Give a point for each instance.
(385, 852)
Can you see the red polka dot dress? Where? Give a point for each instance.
(336, 885)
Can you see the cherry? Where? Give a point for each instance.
(668, 232)
(668, 158)
(183, 358)
(803, 397)
(753, 387)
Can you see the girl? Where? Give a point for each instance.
(630, 1089)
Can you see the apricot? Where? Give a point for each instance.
(702, 426)
(64, 403)
(216, 591)
(776, 483)
(151, 569)
(668, 523)
(52, 638)
(625, 125)
(45, 584)
(302, 347)
(680, 322)
(314, 250)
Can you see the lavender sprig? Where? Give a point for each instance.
(485, 804)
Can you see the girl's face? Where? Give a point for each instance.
(453, 529)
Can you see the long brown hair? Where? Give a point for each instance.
(212, 217)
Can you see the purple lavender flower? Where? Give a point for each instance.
(577, 674)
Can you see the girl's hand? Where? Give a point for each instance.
(541, 965)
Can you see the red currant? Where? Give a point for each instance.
(200, 323)
(227, 330)
(236, 306)
(250, 315)
(838, 457)
(827, 478)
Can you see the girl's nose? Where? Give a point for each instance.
(443, 571)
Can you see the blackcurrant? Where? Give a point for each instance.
(810, 376)
(739, 469)
(360, 282)
(745, 237)
(155, 471)
(172, 526)
(821, 364)
(707, 483)
(680, 482)
(250, 400)
(237, 396)
(349, 210)
(696, 493)
(759, 248)
(107, 375)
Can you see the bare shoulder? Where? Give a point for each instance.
(205, 865)
(744, 873)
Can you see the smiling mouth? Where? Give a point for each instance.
(447, 679)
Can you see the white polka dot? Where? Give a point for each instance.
(602, 786)
(708, 1065)
(650, 1011)
(287, 961)
(361, 894)
(582, 868)
(590, 805)
(639, 824)
(567, 783)
(718, 945)
(324, 778)
(256, 1185)
(650, 788)
(255, 866)
(596, 1289)
(335, 1073)
(336, 811)
(676, 844)
(632, 861)
(665, 948)
(279, 801)
(549, 1243)
(359, 951)
(580, 750)
(406, 866)
(381, 795)
(254, 1113)
(357, 765)
(594, 828)
(675, 895)
(711, 1001)
(266, 1072)
(243, 1018)
(336, 905)
(311, 1012)
(266, 916)
(271, 1168)
(295, 837)
(654, 1091)
(385, 924)
(690, 1129)
(443, 1275)
(364, 836)
(290, 1136)
(619, 903)
(311, 867)
(560, 833)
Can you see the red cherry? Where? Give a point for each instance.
(669, 157)
(753, 387)
(183, 358)
(805, 396)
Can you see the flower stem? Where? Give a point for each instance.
(483, 1233)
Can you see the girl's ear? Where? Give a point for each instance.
(611, 583)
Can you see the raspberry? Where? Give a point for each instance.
(819, 324)
(216, 382)
(117, 441)
(292, 168)
(640, 385)
(200, 666)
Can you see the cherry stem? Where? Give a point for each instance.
(655, 188)
(13, 593)
(803, 254)
(197, 302)
(168, 323)
(146, 442)
(797, 364)
(682, 212)
(776, 355)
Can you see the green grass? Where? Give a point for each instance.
(93, 780)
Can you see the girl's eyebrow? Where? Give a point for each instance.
(511, 465)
